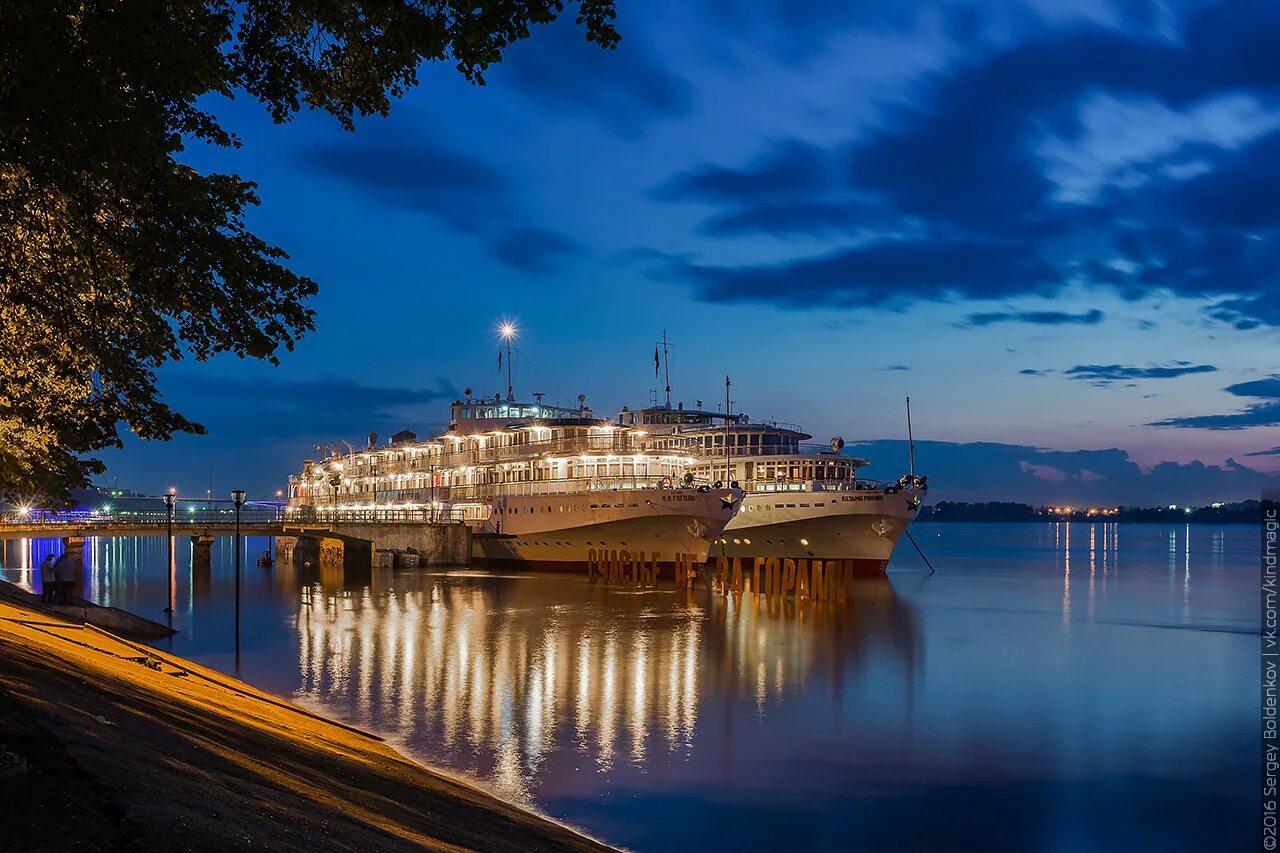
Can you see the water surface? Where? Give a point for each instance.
(1051, 687)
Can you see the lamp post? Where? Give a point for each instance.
(335, 481)
(237, 498)
(170, 498)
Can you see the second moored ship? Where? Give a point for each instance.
(801, 500)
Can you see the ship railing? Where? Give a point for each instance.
(574, 485)
(619, 442)
(787, 485)
(488, 492)
(709, 453)
(387, 515)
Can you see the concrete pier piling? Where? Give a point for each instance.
(201, 551)
(354, 543)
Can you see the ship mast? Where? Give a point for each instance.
(727, 473)
(911, 445)
(666, 365)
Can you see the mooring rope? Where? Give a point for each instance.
(918, 551)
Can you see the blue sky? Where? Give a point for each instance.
(1054, 225)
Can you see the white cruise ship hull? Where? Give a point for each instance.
(858, 526)
(560, 532)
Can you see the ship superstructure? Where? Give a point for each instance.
(541, 486)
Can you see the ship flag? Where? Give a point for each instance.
(656, 362)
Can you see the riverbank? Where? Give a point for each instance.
(128, 748)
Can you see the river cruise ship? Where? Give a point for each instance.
(802, 500)
(542, 487)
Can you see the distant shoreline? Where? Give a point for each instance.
(927, 520)
(1244, 512)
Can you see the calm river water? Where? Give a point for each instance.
(1051, 687)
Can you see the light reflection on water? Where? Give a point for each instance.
(1046, 689)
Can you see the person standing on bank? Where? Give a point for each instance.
(48, 580)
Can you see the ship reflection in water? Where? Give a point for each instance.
(523, 682)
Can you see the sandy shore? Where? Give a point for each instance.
(129, 748)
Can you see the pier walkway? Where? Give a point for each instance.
(354, 540)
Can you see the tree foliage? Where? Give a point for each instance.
(115, 257)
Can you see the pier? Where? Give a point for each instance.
(350, 543)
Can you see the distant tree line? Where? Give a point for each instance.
(1245, 512)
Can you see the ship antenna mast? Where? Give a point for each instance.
(911, 445)
(727, 473)
(666, 365)
(508, 332)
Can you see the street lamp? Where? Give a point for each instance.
(335, 481)
(170, 498)
(237, 498)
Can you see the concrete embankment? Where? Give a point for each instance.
(80, 611)
(127, 748)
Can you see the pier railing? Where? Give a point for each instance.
(392, 515)
(107, 526)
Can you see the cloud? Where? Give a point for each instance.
(1274, 451)
(1043, 472)
(1042, 318)
(533, 250)
(1103, 374)
(787, 169)
(1032, 371)
(1265, 413)
(807, 218)
(793, 33)
(624, 89)
(1038, 475)
(460, 191)
(895, 367)
(328, 407)
(415, 175)
(885, 273)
